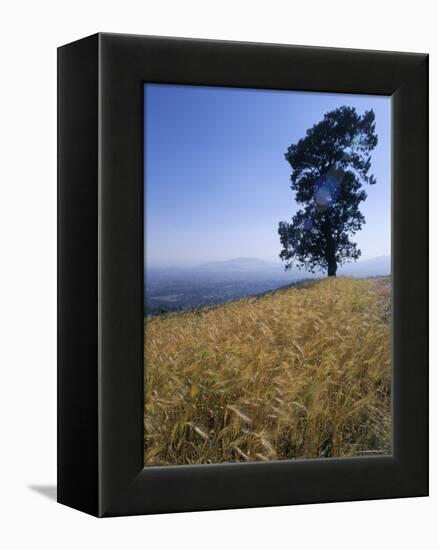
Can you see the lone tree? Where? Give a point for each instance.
(329, 165)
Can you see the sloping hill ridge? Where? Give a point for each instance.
(299, 373)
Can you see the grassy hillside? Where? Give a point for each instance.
(299, 373)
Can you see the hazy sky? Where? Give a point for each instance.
(217, 182)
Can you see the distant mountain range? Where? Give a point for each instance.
(363, 268)
(380, 265)
(240, 264)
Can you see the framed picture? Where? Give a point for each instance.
(243, 275)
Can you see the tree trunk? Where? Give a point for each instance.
(332, 268)
(330, 249)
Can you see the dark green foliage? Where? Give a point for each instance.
(329, 167)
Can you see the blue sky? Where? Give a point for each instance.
(217, 182)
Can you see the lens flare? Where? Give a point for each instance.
(307, 224)
(323, 197)
(327, 189)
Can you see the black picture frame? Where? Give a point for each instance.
(100, 274)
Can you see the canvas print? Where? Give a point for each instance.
(267, 275)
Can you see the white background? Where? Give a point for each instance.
(30, 32)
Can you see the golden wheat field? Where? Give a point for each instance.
(302, 372)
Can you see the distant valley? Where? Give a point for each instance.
(180, 288)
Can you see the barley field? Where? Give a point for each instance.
(302, 372)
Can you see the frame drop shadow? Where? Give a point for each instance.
(48, 491)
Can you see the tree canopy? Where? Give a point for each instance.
(329, 165)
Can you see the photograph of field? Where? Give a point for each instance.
(266, 339)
